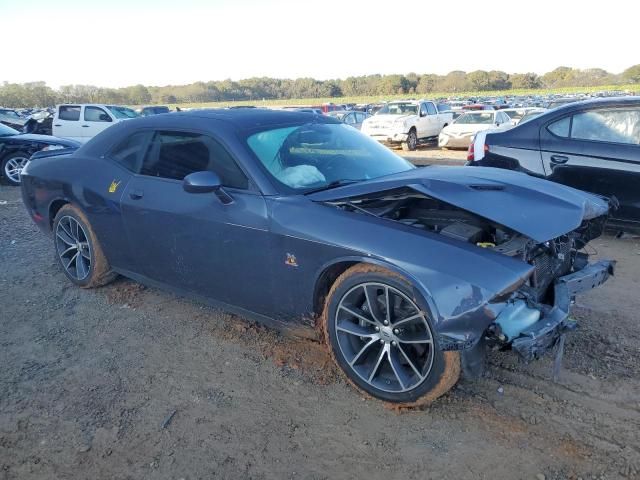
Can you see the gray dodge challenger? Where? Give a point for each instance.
(301, 222)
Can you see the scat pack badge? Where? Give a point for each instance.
(291, 260)
(114, 186)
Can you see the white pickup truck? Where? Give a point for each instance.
(407, 122)
(81, 122)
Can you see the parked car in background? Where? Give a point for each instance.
(460, 132)
(317, 111)
(533, 113)
(412, 273)
(40, 122)
(592, 145)
(557, 102)
(16, 148)
(82, 122)
(353, 118)
(11, 118)
(406, 122)
(478, 106)
(516, 114)
(153, 110)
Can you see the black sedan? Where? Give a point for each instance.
(16, 148)
(302, 222)
(592, 145)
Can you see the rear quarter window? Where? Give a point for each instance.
(560, 128)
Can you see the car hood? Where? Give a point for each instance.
(536, 208)
(458, 128)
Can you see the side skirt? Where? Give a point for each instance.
(289, 329)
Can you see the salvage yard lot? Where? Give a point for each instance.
(131, 382)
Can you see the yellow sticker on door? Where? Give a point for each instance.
(113, 187)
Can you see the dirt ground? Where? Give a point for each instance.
(127, 382)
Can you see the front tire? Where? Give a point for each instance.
(412, 141)
(383, 342)
(78, 250)
(12, 166)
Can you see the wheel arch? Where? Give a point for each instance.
(54, 208)
(329, 272)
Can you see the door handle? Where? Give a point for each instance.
(85, 126)
(559, 159)
(136, 194)
(57, 125)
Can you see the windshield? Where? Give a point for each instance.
(311, 156)
(122, 112)
(9, 113)
(6, 131)
(398, 109)
(481, 118)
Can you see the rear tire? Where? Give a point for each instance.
(78, 250)
(412, 141)
(389, 356)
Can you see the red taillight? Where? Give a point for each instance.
(470, 152)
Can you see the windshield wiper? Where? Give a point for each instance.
(330, 185)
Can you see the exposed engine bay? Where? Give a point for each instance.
(552, 260)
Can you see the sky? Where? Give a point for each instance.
(115, 43)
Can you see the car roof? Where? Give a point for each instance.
(242, 119)
(598, 102)
(247, 118)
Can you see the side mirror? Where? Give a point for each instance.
(202, 182)
(104, 117)
(422, 114)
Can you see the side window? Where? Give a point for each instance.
(359, 117)
(95, 114)
(131, 150)
(560, 127)
(175, 155)
(423, 109)
(614, 126)
(70, 113)
(350, 119)
(431, 109)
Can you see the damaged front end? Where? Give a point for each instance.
(530, 318)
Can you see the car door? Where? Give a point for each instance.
(214, 244)
(434, 126)
(503, 121)
(94, 120)
(597, 151)
(66, 123)
(422, 125)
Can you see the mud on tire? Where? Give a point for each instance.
(379, 358)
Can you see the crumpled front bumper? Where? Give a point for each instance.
(537, 339)
(388, 136)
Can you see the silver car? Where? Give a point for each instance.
(352, 118)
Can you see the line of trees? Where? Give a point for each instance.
(252, 89)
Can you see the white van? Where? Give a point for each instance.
(81, 122)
